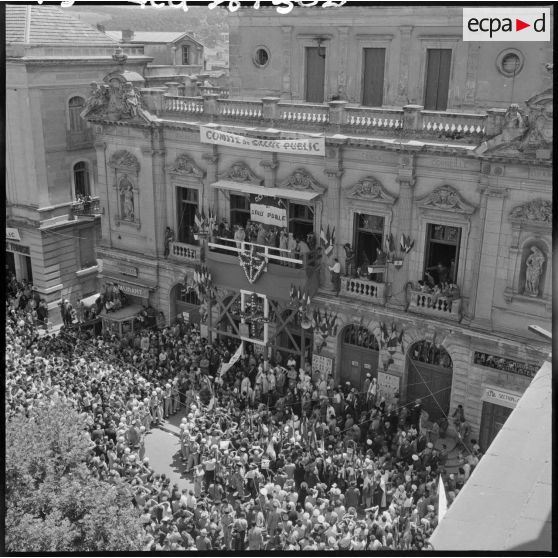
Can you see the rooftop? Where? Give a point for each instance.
(50, 25)
(152, 36)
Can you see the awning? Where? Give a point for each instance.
(133, 288)
(123, 314)
(89, 301)
(287, 193)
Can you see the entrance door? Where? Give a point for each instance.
(315, 76)
(429, 378)
(373, 77)
(493, 418)
(359, 356)
(438, 64)
(185, 301)
(10, 262)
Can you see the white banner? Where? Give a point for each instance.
(268, 214)
(226, 365)
(310, 146)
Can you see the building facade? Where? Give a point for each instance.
(425, 172)
(51, 59)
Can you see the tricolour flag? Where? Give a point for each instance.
(442, 500)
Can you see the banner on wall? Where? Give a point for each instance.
(268, 210)
(309, 146)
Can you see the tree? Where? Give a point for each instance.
(53, 502)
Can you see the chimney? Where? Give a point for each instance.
(127, 35)
(101, 28)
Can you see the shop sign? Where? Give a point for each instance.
(11, 247)
(323, 364)
(128, 270)
(502, 398)
(309, 146)
(134, 290)
(12, 234)
(268, 210)
(388, 386)
(186, 316)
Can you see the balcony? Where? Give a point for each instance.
(441, 307)
(279, 272)
(363, 289)
(86, 208)
(181, 252)
(336, 117)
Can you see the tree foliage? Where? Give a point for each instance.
(53, 502)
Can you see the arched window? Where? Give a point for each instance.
(75, 107)
(81, 180)
(361, 337)
(424, 351)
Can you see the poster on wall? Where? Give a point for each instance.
(268, 210)
(388, 386)
(323, 364)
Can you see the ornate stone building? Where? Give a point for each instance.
(51, 59)
(425, 172)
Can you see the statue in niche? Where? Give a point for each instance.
(533, 271)
(131, 100)
(127, 199)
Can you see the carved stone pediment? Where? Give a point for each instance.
(241, 172)
(370, 189)
(538, 212)
(301, 179)
(445, 198)
(185, 166)
(125, 161)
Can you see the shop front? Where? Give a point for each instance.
(18, 261)
(497, 406)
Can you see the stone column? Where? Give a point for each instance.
(331, 218)
(286, 43)
(210, 106)
(337, 114)
(342, 63)
(211, 194)
(492, 204)
(162, 219)
(148, 199)
(399, 277)
(270, 109)
(270, 170)
(104, 189)
(404, 59)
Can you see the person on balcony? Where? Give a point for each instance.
(261, 236)
(350, 270)
(239, 236)
(442, 272)
(336, 276)
(283, 243)
(291, 246)
(169, 237)
(302, 249)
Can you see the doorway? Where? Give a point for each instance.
(360, 355)
(493, 418)
(315, 76)
(429, 378)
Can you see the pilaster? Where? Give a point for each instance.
(103, 190)
(343, 62)
(287, 40)
(270, 170)
(404, 60)
(334, 175)
(211, 194)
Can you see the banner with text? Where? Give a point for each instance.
(268, 210)
(310, 146)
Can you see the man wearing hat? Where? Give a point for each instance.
(203, 542)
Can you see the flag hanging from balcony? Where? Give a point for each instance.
(268, 210)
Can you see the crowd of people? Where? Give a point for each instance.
(278, 458)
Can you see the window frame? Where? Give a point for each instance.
(70, 112)
(357, 230)
(186, 48)
(428, 247)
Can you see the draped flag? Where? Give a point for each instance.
(271, 450)
(442, 500)
(226, 365)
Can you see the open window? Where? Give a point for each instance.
(82, 186)
(442, 252)
(368, 237)
(301, 220)
(240, 210)
(187, 208)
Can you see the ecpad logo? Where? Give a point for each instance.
(506, 24)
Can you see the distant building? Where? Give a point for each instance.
(51, 161)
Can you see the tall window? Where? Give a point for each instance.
(368, 238)
(81, 179)
(374, 60)
(315, 75)
(240, 210)
(438, 65)
(185, 55)
(75, 107)
(301, 220)
(187, 207)
(442, 252)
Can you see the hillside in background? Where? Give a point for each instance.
(205, 24)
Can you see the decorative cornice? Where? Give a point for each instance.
(301, 179)
(445, 198)
(124, 160)
(371, 189)
(536, 212)
(185, 166)
(241, 172)
(271, 165)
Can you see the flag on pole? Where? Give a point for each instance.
(226, 365)
(442, 500)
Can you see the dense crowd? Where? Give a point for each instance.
(278, 459)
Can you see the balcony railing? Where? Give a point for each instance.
(222, 92)
(340, 117)
(363, 289)
(430, 304)
(184, 252)
(86, 208)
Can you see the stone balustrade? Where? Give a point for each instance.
(88, 208)
(363, 289)
(184, 252)
(430, 305)
(339, 117)
(222, 92)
